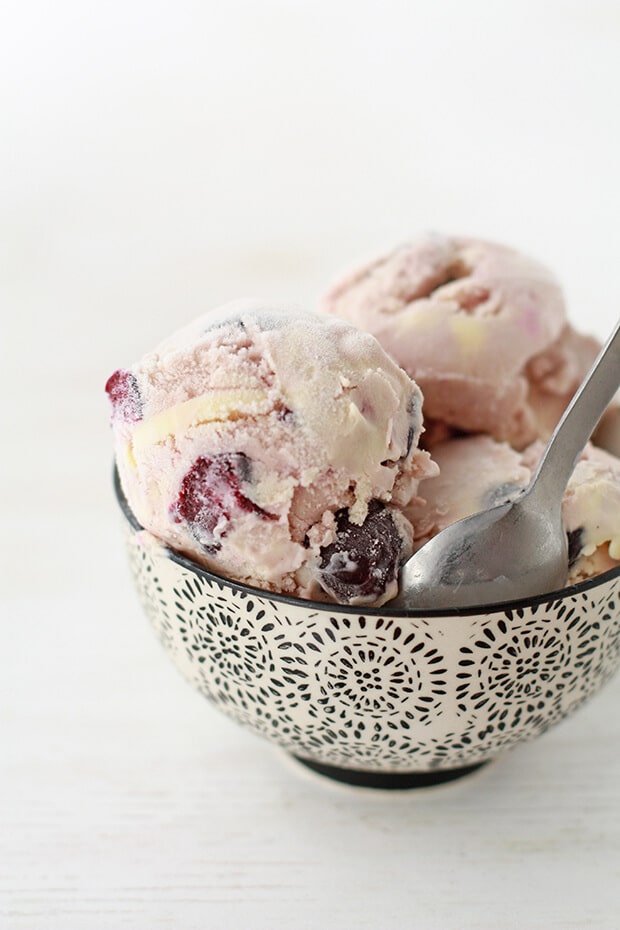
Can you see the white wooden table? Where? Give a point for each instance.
(156, 161)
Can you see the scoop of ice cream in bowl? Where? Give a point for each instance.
(274, 475)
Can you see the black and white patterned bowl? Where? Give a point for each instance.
(379, 697)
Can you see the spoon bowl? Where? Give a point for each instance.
(467, 563)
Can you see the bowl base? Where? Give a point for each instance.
(391, 781)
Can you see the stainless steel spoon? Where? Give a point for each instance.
(518, 548)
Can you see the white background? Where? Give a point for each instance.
(157, 159)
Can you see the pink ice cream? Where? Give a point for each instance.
(481, 328)
(591, 512)
(476, 472)
(275, 447)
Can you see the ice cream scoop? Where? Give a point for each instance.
(275, 447)
(480, 327)
(518, 548)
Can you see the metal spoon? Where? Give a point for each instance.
(518, 548)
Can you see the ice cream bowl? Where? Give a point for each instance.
(379, 697)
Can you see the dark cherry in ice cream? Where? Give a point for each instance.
(364, 559)
(211, 493)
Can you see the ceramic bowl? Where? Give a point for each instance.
(379, 697)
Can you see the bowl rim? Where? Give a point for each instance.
(385, 611)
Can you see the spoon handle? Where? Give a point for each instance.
(577, 424)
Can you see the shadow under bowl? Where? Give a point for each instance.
(379, 697)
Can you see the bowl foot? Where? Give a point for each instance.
(395, 781)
